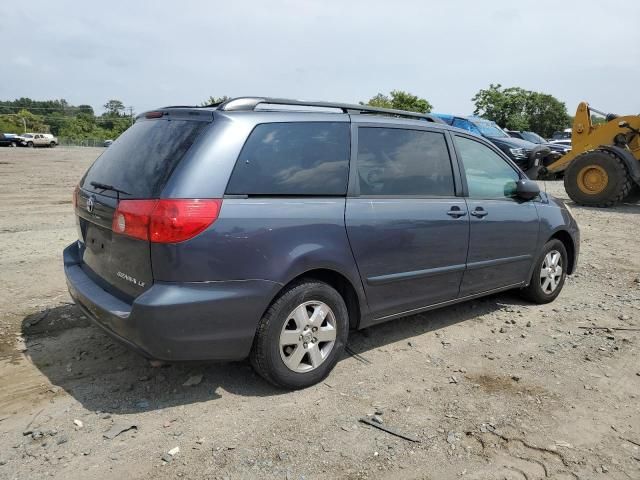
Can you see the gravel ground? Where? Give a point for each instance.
(490, 389)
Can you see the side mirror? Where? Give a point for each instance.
(527, 189)
(623, 124)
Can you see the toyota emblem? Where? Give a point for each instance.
(90, 204)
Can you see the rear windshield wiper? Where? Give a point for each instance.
(104, 186)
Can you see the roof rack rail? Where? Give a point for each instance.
(250, 103)
(177, 106)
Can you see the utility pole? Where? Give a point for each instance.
(131, 114)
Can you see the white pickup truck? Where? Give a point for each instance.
(39, 140)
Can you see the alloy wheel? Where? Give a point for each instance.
(308, 336)
(551, 272)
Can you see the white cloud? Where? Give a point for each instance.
(23, 61)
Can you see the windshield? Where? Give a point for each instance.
(488, 128)
(533, 137)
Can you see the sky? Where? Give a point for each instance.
(155, 53)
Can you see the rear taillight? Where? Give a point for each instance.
(76, 192)
(132, 218)
(166, 220)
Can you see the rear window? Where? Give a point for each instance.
(308, 158)
(141, 161)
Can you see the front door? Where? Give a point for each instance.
(504, 229)
(407, 228)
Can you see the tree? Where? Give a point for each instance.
(400, 100)
(515, 108)
(214, 100)
(114, 108)
(34, 123)
(78, 123)
(88, 109)
(81, 127)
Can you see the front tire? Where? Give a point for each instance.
(548, 275)
(597, 178)
(301, 336)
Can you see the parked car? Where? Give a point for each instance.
(11, 140)
(251, 230)
(527, 155)
(40, 140)
(533, 137)
(107, 143)
(561, 135)
(563, 142)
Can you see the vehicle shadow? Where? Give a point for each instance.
(105, 376)
(405, 328)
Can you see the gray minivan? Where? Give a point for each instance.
(268, 228)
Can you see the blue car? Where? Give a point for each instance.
(269, 228)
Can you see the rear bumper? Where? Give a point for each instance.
(176, 321)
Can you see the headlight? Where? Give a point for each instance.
(517, 152)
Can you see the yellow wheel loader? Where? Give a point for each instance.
(604, 162)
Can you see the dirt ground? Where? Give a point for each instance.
(491, 389)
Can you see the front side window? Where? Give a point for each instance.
(488, 174)
(393, 161)
(306, 158)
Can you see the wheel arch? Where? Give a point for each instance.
(353, 299)
(569, 245)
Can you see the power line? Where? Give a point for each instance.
(56, 108)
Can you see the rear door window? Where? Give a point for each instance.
(143, 158)
(305, 158)
(394, 161)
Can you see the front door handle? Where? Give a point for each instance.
(455, 212)
(479, 212)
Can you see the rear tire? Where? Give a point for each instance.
(287, 351)
(30, 144)
(598, 179)
(548, 274)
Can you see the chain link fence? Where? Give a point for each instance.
(87, 142)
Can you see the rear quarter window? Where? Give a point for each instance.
(306, 158)
(143, 158)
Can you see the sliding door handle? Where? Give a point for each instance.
(455, 212)
(479, 212)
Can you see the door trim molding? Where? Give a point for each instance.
(446, 303)
(412, 275)
(497, 261)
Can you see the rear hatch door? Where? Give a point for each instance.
(137, 166)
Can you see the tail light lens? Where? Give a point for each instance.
(132, 218)
(74, 200)
(165, 220)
